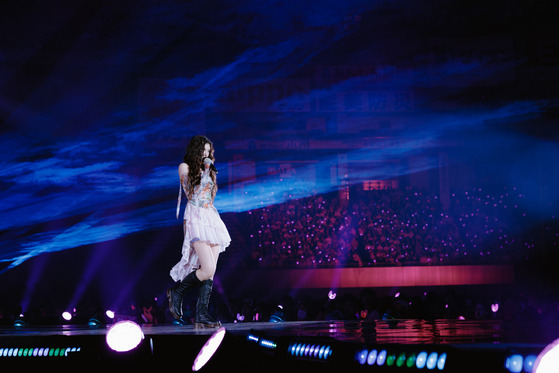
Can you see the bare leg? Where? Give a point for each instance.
(207, 261)
(216, 249)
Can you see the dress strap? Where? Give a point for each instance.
(179, 199)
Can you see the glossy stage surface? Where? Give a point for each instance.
(466, 345)
(406, 331)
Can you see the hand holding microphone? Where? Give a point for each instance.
(208, 163)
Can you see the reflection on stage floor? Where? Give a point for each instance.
(383, 331)
(297, 346)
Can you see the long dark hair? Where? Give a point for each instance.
(193, 158)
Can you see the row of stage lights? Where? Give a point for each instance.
(67, 316)
(93, 321)
(421, 360)
(517, 363)
(122, 336)
(126, 336)
(305, 350)
(38, 351)
(382, 357)
(316, 351)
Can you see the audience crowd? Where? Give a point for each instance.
(395, 227)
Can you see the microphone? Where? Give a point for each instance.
(208, 163)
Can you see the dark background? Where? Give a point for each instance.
(99, 98)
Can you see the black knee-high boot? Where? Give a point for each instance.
(203, 319)
(176, 293)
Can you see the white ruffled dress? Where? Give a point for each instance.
(201, 223)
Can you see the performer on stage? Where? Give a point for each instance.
(205, 234)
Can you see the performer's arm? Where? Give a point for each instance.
(183, 173)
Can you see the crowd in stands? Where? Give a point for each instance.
(394, 227)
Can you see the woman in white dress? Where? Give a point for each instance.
(205, 234)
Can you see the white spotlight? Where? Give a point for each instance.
(124, 336)
(209, 349)
(548, 359)
(66, 315)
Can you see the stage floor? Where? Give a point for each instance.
(407, 331)
(491, 341)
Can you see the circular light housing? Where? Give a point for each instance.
(124, 336)
(548, 360)
(209, 349)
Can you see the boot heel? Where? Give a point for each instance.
(209, 325)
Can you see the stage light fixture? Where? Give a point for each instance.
(432, 360)
(124, 336)
(20, 321)
(294, 349)
(110, 314)
(421, 360)
(253, 338)
(400, 360)
(325, 352)
(372, 357)
(381, 358)
(278, 316)
(441, 362)
(266, 343)
(529, 362)
(361, 356)
(94, 322)
(548, 360)
(514, 363)
(209, 349)
(66, 315)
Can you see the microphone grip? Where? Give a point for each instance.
(208, 163)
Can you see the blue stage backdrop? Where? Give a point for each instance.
(98, 100)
